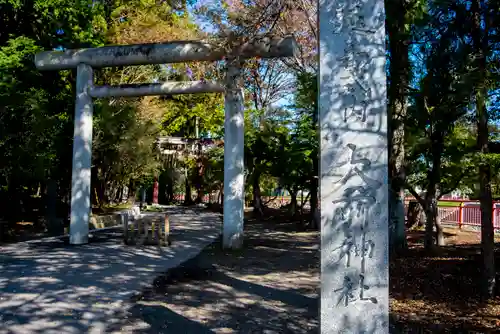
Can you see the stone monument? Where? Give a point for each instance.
(353, 167)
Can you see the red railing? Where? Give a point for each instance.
(463, 213)
(455, 212)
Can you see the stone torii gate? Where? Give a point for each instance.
(85, 60)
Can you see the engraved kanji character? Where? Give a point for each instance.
(346, 294)
(348, 245)
(362, 288)
(366, 249)
(353, 161)
(359, 112)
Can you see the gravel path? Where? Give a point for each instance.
(48, 286)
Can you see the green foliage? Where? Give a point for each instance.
(123, 143)
(214, 172)
(440, 126)
(181, 112)
(36, 108)
(281, 143)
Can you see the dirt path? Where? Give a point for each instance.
(271, 286)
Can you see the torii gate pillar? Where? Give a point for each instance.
(82, 157)
(234, 147)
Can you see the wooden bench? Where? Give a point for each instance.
(147, 230)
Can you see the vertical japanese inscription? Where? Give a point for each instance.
(353, 123)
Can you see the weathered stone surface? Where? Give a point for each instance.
(166, 88)
(150, 229)
(354, 191)
(174, 52)
(98, 222)
(234, 187)
(82, 158)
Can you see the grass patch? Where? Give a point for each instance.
(448, 204)
(152, 209)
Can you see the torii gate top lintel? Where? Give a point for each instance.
(161, 53)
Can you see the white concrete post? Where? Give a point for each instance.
(353, 168)
(234, 188)
(82, 158)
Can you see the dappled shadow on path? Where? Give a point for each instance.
(48, 286)
(271, 286)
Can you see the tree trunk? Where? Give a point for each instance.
(131, 192)
(106, 198)
(119, 194)
(429, 203)
(257, 198)
(430, 215)
(101, 189)
(54, 225)
(199, 177)
(434, 179)
(293, 201)
(221, 197)
(399, 72)
(188, 199)
(170, 191)
(480, 41)
(431, 222)
(414, 215)
(397, 232)
(303, 202)
(94, 181)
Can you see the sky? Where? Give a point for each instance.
(207, 27)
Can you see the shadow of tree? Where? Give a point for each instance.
(271, 286)
(440, 292)
(48, 286)
(158, 320)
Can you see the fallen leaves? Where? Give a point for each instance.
(440, 292)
